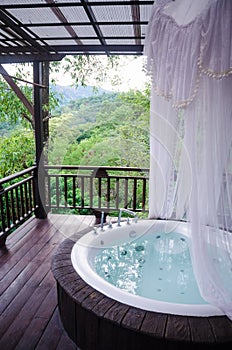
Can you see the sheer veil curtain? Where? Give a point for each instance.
(189, 56)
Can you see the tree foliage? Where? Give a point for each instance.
(12, 109)
(81, 68)
(109, 129)
(117, 133)
(17, 152)
(88, 68)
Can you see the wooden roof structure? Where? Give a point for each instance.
(40, 30)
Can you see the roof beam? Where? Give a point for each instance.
(58, 13)
(16, 28)
(54, 38)
(135, 12)
(97, 48)
(93, 21)
(62, 49)
(100, 23)
(19, 58)
(71, 4)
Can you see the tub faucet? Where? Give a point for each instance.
(102, 220)
(121, 210)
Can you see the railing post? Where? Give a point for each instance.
(2, 218)
(99, 174)
(39, 142)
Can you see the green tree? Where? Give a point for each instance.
(118, 137)
(81, 68)
(17, 152)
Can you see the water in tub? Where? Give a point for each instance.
(156, 266)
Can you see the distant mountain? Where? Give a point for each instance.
(71, 93)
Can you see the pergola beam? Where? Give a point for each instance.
(9, 23)
(58, 13)
(76, 4)
(19, 58)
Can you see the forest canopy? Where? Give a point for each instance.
(110, 129)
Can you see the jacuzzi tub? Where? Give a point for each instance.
(88, 249)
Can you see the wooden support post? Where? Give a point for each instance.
(45, 103)
(39, 142)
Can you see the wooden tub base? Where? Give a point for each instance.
(96, 322)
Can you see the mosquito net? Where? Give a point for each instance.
(189, 57)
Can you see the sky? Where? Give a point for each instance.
(130, 71)
(132, 75)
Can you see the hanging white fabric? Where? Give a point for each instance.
(191, 133)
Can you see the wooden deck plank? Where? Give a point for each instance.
(29, 317)
(22, 320)
(33, 252)
(24, 277)
(66, 343)
(17, 251)
(35, 329)
(52, 333)
(16, 305)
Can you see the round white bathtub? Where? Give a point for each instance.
(92, 253)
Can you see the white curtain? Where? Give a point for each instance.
(189, 56)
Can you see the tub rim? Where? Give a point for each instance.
(82, 251)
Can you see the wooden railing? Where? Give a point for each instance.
(97, 188)
(90, 188)
(17, 199)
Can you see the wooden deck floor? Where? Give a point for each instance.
(29, 317)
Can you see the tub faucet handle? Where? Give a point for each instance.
(110, 223)
(95, 231)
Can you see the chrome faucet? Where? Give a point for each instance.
(121, 210)
(102, 220)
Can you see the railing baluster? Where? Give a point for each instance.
(57, 192)
(13, 215)
(33, 194)
(144, 194)
(26, 197)
(91, 191)
(108, 193)
(126, 193)
(18, 209)
(22, 200)
(65, 192)
(29, 196)
(7, 209)
(74, 191)
(82, 192)
(117, 193)
(3, 208)
(134, 194)
(99, 192)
